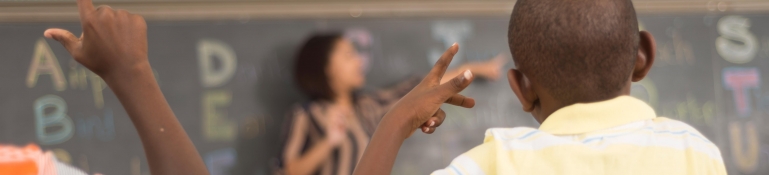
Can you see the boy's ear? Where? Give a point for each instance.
(645, 58)
(522, 88)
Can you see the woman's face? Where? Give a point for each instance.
(345, 68)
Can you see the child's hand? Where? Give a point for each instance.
(114, 46)
(112, 40)
(420, 108)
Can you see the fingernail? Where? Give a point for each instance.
(432, 123)
(468, 74)
(455, 44)
(427, 130)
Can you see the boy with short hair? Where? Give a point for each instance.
(575, 63)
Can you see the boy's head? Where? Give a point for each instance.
(575, 51)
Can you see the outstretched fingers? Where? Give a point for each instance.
(443, 63)
(85, 7)
(66, 38)
(449, 93)
(450, 89)
(461, 100)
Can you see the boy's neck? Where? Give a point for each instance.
(548, 105)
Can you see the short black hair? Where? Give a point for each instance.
(578, 51)
(311, 64)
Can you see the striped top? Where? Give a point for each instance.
(617, 136)
(309, 120)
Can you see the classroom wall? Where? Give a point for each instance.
(229, 83)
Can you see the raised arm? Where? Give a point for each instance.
(420, 105)
(114, 46)
(384, 99)
(489, 69)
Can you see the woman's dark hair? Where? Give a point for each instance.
(311, 64)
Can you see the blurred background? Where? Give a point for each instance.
(226, 68)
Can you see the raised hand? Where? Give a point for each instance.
(112, 40)
(419, 108)
(114, 46)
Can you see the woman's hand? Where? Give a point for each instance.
(490, 69)
(336, 129)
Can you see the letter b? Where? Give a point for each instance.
(57, 117)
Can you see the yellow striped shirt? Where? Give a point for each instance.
(617, 136)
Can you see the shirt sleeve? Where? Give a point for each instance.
(297, 135)
(477, 161)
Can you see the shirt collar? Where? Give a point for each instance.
(586, 117)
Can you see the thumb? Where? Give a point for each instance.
(455, 85)
(66, 38)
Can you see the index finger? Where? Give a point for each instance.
(443, 63)
(85, 7)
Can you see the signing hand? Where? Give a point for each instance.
(420, 108)
(112, 40)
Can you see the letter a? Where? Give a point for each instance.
(45, 62)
